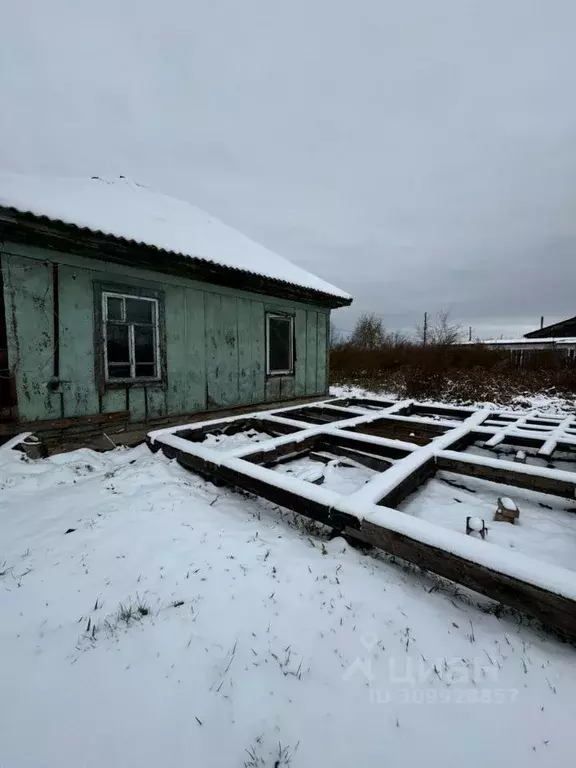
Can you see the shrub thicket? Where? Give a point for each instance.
(463, 373)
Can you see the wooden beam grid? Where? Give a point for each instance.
(370, 514)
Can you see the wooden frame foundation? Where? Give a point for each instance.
(406, 443)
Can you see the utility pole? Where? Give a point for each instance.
(425, 329)
(542, 322)
(470, 333)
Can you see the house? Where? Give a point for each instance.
(120, 302)
(562, 330)
(558, 337)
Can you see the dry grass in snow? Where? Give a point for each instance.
(149, 618)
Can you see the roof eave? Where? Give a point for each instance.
(548, 330)
(44, 232)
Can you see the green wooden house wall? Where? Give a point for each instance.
(214, 336)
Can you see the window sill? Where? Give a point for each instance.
(123, 383)
(279, 374)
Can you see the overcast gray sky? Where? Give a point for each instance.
(420, 154)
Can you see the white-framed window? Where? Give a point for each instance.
(130, 337)
(279, 344)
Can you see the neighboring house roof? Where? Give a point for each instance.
(137, 214)
(554, 341)
(555, 330)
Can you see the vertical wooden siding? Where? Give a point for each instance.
(29, 320)
(215, 345)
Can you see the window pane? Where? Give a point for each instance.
(118, 371)
(114, 308)
(139, 311)
(280, 344)
(144, 343)
(117, 343)
(145, 370)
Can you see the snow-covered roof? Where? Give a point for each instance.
(131, 211)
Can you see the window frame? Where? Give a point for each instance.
(131, 345)
(102, 291)
(286, 317)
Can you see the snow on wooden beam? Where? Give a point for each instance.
(419, 432)
(550, 445)
(371, 454)
(539, 479)
(447, 412)
(370, 460)
(363, 402)
(15, 441)
(299, 496)
(499, 436)
(554, 610)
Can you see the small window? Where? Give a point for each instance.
(280, 344)
(130, 331)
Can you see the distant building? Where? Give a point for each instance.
(559, 337)
(562, 330)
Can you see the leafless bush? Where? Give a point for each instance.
(459, 373)
(440, 330)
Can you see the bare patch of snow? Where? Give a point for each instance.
(225, 442)
(335, 476)
(545, 530)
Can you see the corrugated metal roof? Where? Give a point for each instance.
(133, 212)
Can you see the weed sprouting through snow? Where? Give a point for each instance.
(279, 758)
(126, 614)
(132, 610)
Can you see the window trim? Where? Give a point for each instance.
(133, 379)
(131, 291)
(290, 319)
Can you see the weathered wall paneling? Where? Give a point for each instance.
(29, 315)
(215, 341)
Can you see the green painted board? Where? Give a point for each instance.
(321, 354)
(176, 363)
(228, 367)
(185, 350)
(30, 322)
(300, 364)
(137, 403)
(311, 351)
(155, 402)
(195, 351)
(245, 364)
(114, 400)
(287, 388)
(273, 389)
(258, 343)
(77, 364)
(213, 313)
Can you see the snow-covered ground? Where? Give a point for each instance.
(149, 618)
(342, 477)
(225, 442)
(544, 402)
